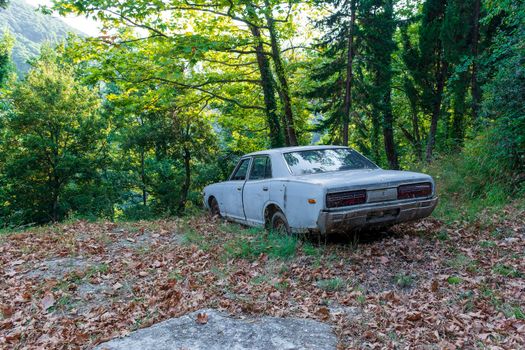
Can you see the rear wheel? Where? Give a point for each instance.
(279, 224)
(214, 207)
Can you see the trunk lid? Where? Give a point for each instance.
(379, 183)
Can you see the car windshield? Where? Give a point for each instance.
(326, 160)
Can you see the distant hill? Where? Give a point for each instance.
(30, 29)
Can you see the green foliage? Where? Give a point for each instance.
(6, 64)
(54, 138)
(474, 180)
(504, 103)
(135, 124)
(454, 280)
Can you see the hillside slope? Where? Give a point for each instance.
(30, 29)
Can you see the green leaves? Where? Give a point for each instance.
(56, 136)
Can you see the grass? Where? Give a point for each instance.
(250, 246)
(487, 244)
(454, 280)
(463, 262)
(443, 235)
(404, 281)
(473, 184)
(309, 250)
(260, 279)
(193, 237)
(506, 271)
(332, 285)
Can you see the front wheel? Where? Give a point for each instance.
(279, 223)
(214, 208)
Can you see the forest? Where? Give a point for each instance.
(134, 123)
(107, 142)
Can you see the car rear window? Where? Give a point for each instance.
(326, 160)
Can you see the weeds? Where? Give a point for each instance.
(309, 250)
(487, 244)
(332, 285)
(463, 262)
(404, 281)
(193, 237)
(454, 280)
(506, 271)
(443, 235)
(252, 246)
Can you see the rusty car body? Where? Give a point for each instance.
(319, 189)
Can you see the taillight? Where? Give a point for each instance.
(344, 199)
(414, 190)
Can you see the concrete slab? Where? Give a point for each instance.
(224, 332)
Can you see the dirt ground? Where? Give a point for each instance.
(425, 284)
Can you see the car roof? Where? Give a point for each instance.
(292, 149)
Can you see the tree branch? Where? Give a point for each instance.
(211, 93)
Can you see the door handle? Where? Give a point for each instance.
(238, 188)
(265, 188)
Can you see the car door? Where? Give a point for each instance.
(233, 205)
(256, 189)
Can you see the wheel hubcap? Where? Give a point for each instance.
(279, 226)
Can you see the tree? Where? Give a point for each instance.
(379, 26)
(55, 136)
(219, 40)
(337, 62)
(6, 62)
(428, 67)
(504, 93)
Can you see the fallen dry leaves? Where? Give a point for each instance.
(202, 318)
(76, 285)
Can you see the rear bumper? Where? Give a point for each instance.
(377, 214)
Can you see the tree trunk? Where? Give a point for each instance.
(436, 108)
(349, 75)
(272, 119)
(385, 81)
(187, 178)
(375, 142)
(388, 133)
(476, 93)
(54, 206)
(281, 76)
(416, 135)
(143, 177)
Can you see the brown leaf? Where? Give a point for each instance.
(414, 316)
(324, 312)
(7, 311)
(202, 318)
(435, 286)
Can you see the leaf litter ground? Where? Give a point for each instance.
(424, 284)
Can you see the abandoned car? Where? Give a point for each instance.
(319, 189)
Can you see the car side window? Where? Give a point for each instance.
(241, 171)
(261, 168)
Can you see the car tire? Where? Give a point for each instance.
(279, 224)
(214, 208)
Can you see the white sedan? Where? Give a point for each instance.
(319, 189)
